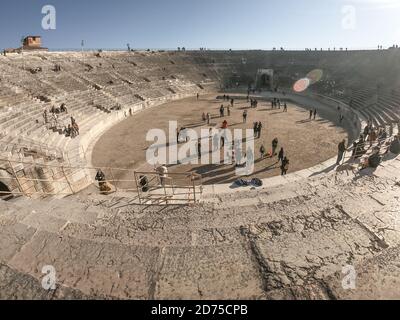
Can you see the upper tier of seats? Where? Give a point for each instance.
(96, 85)
(91, 85)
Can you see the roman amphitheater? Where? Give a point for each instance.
(198, 236)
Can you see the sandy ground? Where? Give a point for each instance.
(306, 143)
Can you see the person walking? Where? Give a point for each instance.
(262, 151)
(281, 155)
(199, 148)
(255, 128)
(259, 128)
(284, 166)
(341, 150)
(274, 146)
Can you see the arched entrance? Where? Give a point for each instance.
(265, 79)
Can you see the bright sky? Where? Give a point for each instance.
(215, 24)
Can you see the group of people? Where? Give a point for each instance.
(375, 137)
(104, 186)
(206, 117)
(228, 98)
(253, 103)
(275, 103)
(239, 158)
(282, 159)
(130, 113)
(54, 111)
(222, 111)
(372, 134)
(72, 130)
(257, 127)
(59, 110)
(313, 114)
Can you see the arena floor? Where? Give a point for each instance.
(306, 143)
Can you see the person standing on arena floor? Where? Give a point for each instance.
(285, 107)
(229, 111)
(284, 166)
(255, 127)
(274, 146)
(341, 150)
(281, 155)
(244, 116)
(208, 118)
(262, 151)
(315, 113)
(311, 114)
(221, 111)
(199, 148)
(259, 128)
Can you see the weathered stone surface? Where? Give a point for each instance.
(285, 242)
(376, 278)
(19, 286)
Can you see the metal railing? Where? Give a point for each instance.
(174, 187)
(38, 180)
